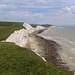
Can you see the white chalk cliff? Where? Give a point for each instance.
(21, 37)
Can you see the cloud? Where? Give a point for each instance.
(33, 6)
(67, 0)
(38, 11)
(3, 5)
(42, 1)
(6, 6)
(38, 14)
(19, 13)
(70, 9)
(25, 14)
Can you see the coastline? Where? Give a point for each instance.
(18, 37)
(28, 37)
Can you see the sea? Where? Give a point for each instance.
(65, 37)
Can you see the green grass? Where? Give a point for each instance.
(15, 60)
(6, 28)
(10, 23)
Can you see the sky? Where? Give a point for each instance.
(55, 12)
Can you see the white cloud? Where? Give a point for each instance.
(24, 14)
(38, 14)
(67, 9)
(5, 6)
(33, 11)
(67, 0)
(19, 13)
(32, 6)
(42, 1)
(2, 5)
(70, 9)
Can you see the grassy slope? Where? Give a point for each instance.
(15, 60)
(6, 28)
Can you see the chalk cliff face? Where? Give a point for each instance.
(21, 37)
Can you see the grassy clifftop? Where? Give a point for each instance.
(15, 60)
(6, 28)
